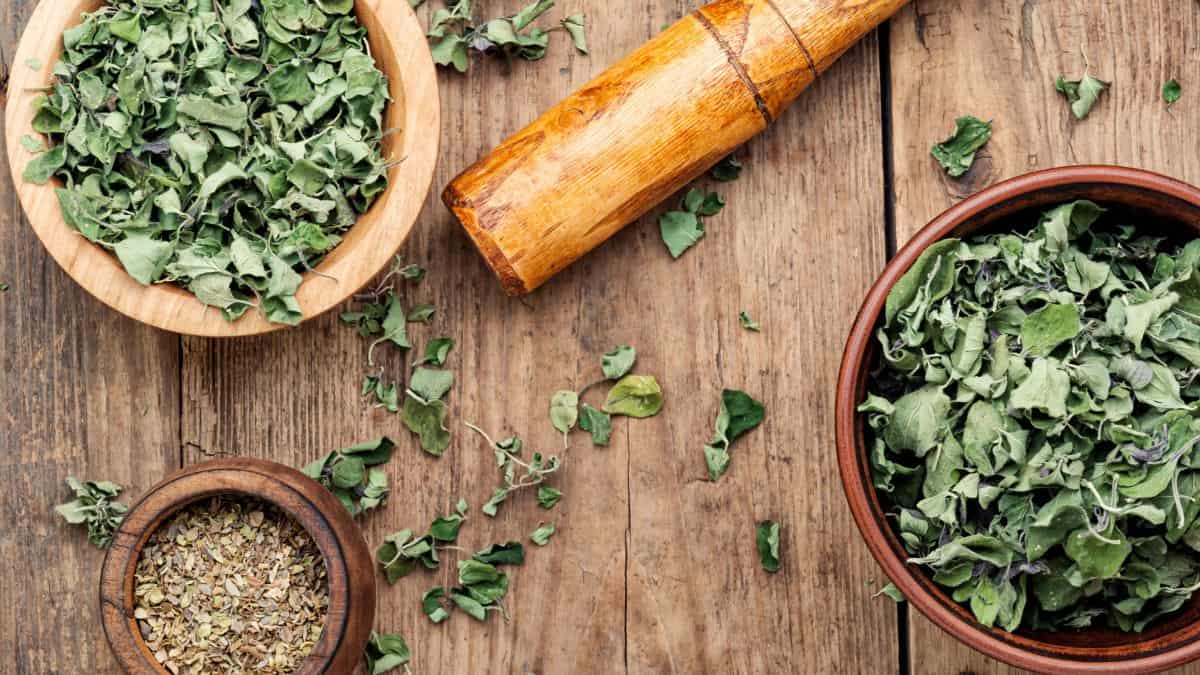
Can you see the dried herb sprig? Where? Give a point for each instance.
(536, 471)
(482, 585)
(400, 552)
(457, 36)
(387, 652)
(94, 506)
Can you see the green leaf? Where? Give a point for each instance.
(144, 258)
(680, 231)
(428, 421)
(574, 26)
(548, 497)
(436, 352)
(956, 154)
(41, 168)
(431, 603)
(421, 314)
(541, 536)
(933, 273)
(430, 384)
(1082, 94)
(386, 652)
(726, 170)
(510, 553)
(1049, 327)
(919, 419)
(564, 411)
(617, 363)
(768, 545)
(1172, 92)
(635, 396)
(749, 323)
(596, 422)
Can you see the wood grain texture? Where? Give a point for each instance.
(652, 569)
(397, 43)
(999, 61)
(645, 128)
(84, 392)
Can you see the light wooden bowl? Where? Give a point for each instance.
(349, 565)
(399, 46)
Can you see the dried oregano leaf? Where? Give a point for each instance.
(1032, 424)
(221, 147)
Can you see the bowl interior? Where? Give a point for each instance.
(316, 659)
(398, 45)
(1154, 204)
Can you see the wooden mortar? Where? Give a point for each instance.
(348, 562)
(646, 127)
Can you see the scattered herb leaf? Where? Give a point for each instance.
(1172, 92)
(1081, 94)
(548, 497)
(596, 422)
(436, 352)
(564, 412)
(358, 485)
(956, 154)
(739, 414)
(386, 652)
(890, 591)
(635, 396)
(507, 461)
(421, 314)
(541, 536)
(726, 170)
(456, 35)
(749, 323)
(768, 545)
(682, 229)
(617, 363)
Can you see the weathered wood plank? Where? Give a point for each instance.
(84, 392)
(797, 246)
(999, 61)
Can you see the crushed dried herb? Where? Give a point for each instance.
(231, 583)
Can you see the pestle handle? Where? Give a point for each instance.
(647, 127)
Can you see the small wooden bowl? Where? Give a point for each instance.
(400, 49)
(1162, 204)
(348, 562)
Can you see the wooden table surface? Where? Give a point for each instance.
(654, 568)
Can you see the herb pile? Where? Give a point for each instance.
(1032, 423)
(220, 146)
(230, 585)
(456, 35)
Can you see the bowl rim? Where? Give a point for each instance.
(852, 459)
(400, 49)
(350, 574)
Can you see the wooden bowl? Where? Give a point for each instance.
(348, 562)
(400, 49)
(1163, 204)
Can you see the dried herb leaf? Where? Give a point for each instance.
(635, 396)
(596, 422)
(541, 536)
(768, 545)
(436, 352)
(1172, 92)
(739, 414)
(1081, 94)
(617, 363)
(956, 154)
(548, 497)
(371, 488)
(749, 323)
(726, 170)
(386, 652)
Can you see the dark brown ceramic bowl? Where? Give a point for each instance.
(1160, 204)
(348, 562)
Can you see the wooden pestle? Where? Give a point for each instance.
(647, 127)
